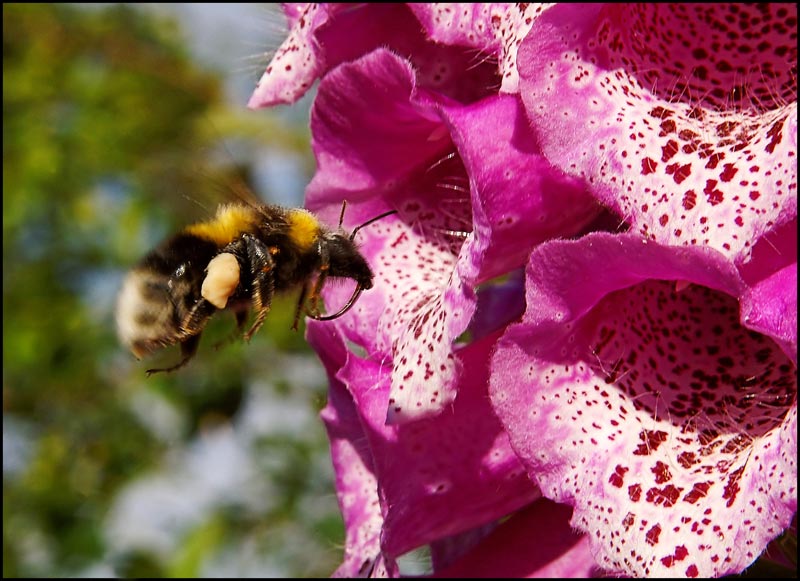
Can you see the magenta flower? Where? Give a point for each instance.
(641, 161)
(694, 146)
(452, 469)
(322, 37)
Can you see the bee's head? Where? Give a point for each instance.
(346, 261)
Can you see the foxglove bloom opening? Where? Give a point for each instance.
(462, 220)
(632, 392)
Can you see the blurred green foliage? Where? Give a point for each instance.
(110, 142)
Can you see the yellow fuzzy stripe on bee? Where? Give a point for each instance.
(303, 228)
(229, 223)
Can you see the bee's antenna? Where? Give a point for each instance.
(367, 223)
(370, 221)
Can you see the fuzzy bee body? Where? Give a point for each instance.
(169, 297)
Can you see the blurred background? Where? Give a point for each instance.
(122, 123)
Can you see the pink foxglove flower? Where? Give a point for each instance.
(683, 119)
(641, 161)
(633, 392)
(323, 36)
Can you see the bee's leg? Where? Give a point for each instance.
(189, 334)
(188, 350)
(263, 280)
(241, 319)
(196, 319)
(324, 267)
(300, 303)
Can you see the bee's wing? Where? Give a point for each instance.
(240, 191)
(216, 185)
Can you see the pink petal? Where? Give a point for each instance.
(443, 475)
(519, 199)
(536, 541)
(379, 160)
(296, 63)
(682, 117)
(632, 392)
(773, 252)
(391, 137)
(356, 484)
(771, 308)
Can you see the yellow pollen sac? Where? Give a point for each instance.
(229, 223)
(221, 280)
(303, 228)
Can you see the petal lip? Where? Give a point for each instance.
(626, 259)
(463, 24)
(770, 307)
(514, 204)
(772, 252)
(296, 63)
(363, 156)
(648, 406)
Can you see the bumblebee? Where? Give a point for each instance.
(236, 261)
